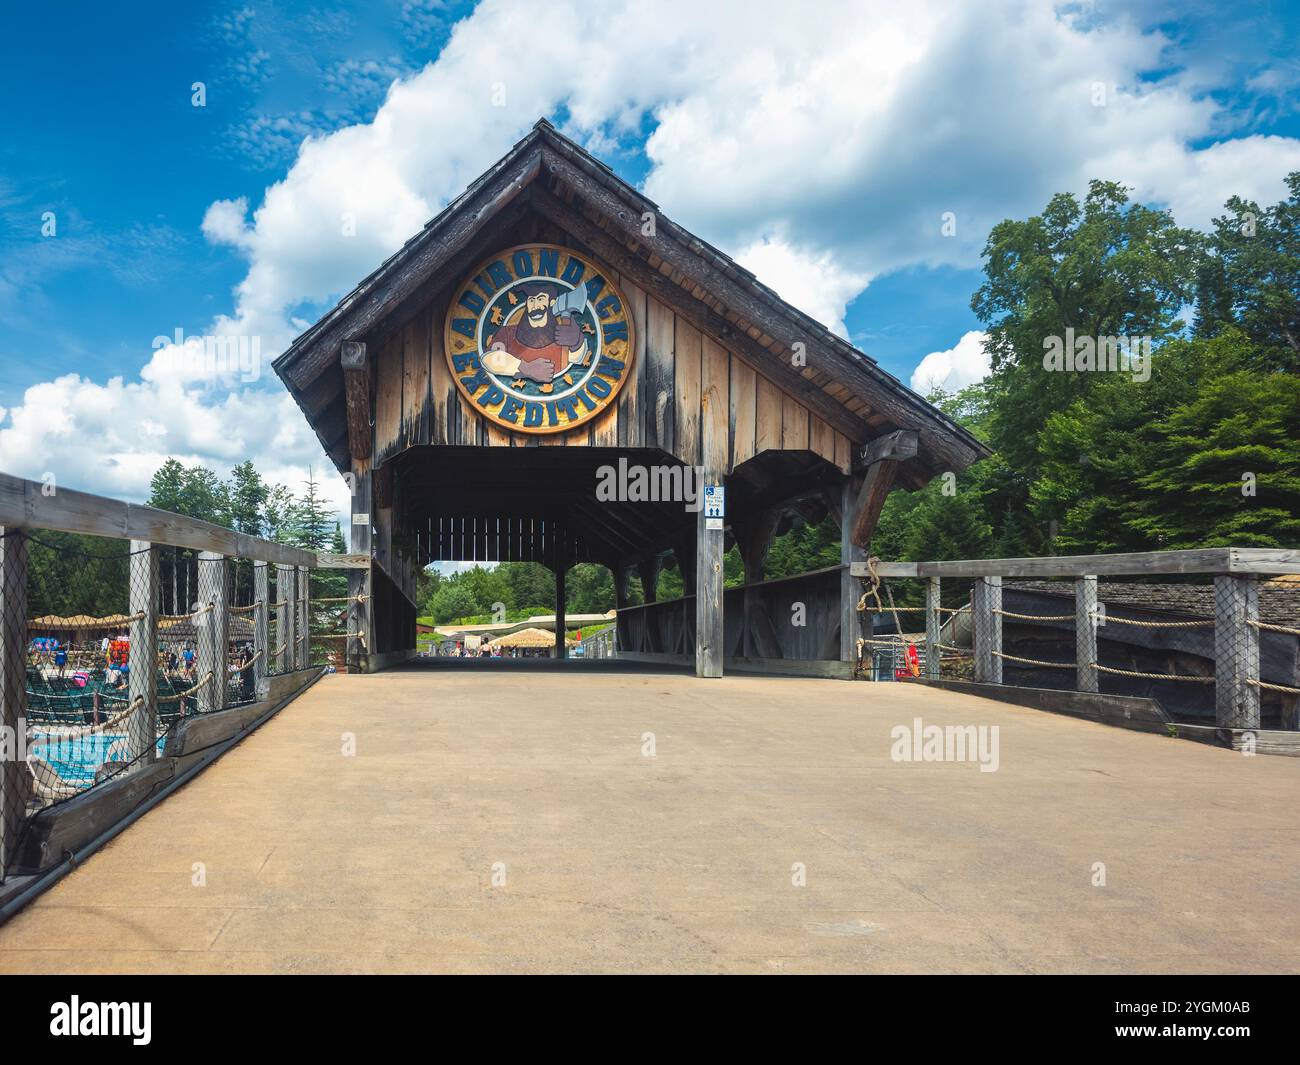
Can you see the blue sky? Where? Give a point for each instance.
(819, 143)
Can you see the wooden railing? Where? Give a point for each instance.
(28, 507)
(1237, 677)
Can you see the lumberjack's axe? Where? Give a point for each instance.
(573, 302)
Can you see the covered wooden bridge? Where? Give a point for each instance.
(554, 371)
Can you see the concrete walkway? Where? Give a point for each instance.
(684, 861)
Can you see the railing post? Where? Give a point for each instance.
(283, 618)
(304, 628)
(261, 601)
(142, 683)
(13, 691)
(1236, 652)
(286, 593)
(933, 627)
(1085, 633)
(214, 629)
(988, 630)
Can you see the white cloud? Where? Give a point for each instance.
(110, 438)
(821, 143)
(961, 365)
(811, 281)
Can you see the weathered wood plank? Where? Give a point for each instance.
(686, 391)
(659, 409)
(821, 439)
(1208, 560)
(744, 411)
(715, 408)
(442, 389)
(767, 423)
(388, 399)
(355, 361)
(415, 382)
(794, 424)
(631, 426)
(28, 504)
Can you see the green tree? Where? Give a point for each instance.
(1252, 278)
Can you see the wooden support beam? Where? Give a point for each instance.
(285, 617)
(988, 630)
(1085, 633)
(561, 568)
(899, 446)
(709, 649)
(933, 629)
(882, 458)
(213, 630)
(303, 657)
(142, 657)
(356, 389)
(30, 505)
(261, 626)
(850, 586)
(1236, 652)
(754, 540)
(14, 777)
(360, 623)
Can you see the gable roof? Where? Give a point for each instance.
(841, 383)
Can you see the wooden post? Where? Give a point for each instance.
(648, 571)
(561, 567)
(988, 630)
(933, 628)
(303, 658)
(709, 644)
(261, 627)
(142, 683)
(14, 787)
(213, 630)
(1236, 652)
(850, 552)
(360, 643)
(1085, 633)
(754, 539)
(284, 618)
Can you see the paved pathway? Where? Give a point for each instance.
(384, 861)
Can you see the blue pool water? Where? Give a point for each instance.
(75, 758)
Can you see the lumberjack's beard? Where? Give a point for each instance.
(536, 336)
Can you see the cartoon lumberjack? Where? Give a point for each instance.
(546, 340)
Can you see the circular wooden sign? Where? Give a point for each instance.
(539, 339)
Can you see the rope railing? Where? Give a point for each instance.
(1034, 617)
(1197, 624)
(1152, 676)
(1036, 662)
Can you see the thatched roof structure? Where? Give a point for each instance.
(59, 623)
(528, 638)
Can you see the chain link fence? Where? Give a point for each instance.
(109, 646)
(1221, 650)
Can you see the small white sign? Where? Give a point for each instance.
(715, 501)
(714, 523)
(360, 519)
